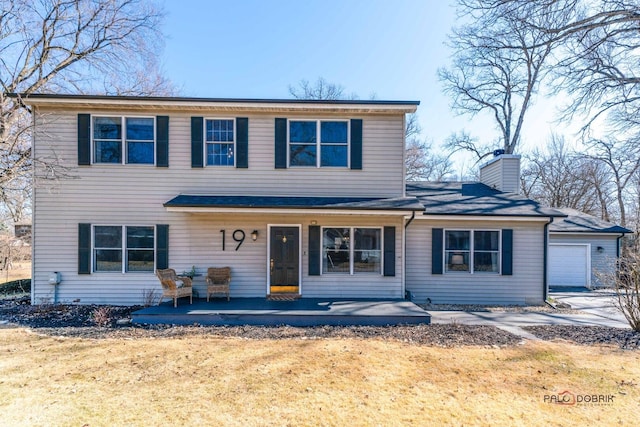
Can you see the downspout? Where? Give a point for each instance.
(413, 216)
(34, 289)
(618, 245)
(404, 257)
(545, 287)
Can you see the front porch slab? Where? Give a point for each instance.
(302, 312)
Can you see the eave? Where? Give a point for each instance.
(217, 104)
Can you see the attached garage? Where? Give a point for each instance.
(580, 248)
(569, 264)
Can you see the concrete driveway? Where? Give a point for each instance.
(598, 302)
(596, 309)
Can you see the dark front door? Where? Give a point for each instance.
(285, 259)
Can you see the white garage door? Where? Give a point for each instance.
(568, 265)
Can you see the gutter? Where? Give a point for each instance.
(545, 285)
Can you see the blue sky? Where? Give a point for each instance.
(256, 49)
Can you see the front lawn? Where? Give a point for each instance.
(208, 380)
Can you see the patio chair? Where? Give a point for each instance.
(218, 281)
(174, 286)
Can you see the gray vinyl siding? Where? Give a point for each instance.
(133, 195)
(525, 286)
(196, 240)
(600, 262)
(381, 176)
(502, 173)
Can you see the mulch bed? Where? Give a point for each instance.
(100, 322)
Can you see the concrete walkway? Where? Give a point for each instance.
(596, 309)
(520, 319)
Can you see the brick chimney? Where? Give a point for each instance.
(502, 172)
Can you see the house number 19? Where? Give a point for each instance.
(238, 236)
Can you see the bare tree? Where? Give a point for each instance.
(623, 163)
(422, 163)
(598, 61)
(320, 90)
(562, 178)
(500, 57)
(69, 46)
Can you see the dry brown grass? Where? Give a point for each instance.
(200, 380)
(19, 270)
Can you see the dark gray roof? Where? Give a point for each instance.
(216, 100)
(580, 222)
(474, 198)
(273, 202)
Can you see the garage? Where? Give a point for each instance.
(569, 264)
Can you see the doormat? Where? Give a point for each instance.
(283, 297)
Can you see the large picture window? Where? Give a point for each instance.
(220, 142)
(123, 249)
(319, 143)
(110, 133)
(472, 251)
(351, 250)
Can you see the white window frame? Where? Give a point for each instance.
(318, 142)
(352, 250)
(234, 142)
(123, 140)
(123, 248)
(472, 251)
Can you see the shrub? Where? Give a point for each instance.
(102, 316)
(22, 286)
(626, 282)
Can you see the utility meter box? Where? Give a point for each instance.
(54, 278)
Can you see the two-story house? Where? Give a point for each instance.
(300, 197)
(304, 197)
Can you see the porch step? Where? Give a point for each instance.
(283, 296)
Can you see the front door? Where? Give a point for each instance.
(284, 260)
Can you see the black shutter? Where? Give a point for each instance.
(281, 144)
(356, 144)
(314, 250)
(162, 246)
(84, 248)
(242, 142)
(436, 250)
(197, 142)
(84, 139)
(162, 141)
(389, 251)
(507, 252)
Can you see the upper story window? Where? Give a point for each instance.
(123, 140)
(477, 251)
(318, 143)
(220, 142)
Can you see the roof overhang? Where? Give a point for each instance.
(595, 232)
(218, 104)
(458, 217)
(401, 206)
